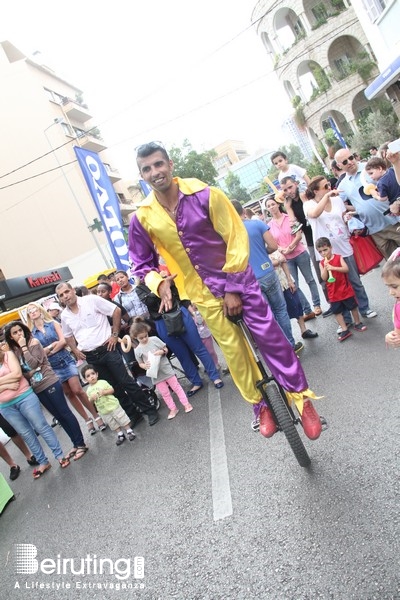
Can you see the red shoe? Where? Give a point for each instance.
(267, 423)
(311, 422)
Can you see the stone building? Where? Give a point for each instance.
(322, 57)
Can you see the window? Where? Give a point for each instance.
(342, 64)
(374, 8)
(320, 13)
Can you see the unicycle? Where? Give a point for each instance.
(284, 416)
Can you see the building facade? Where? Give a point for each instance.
(380, 20)
(251, 171)
(227, 154)
(323, 58)
(48, 217)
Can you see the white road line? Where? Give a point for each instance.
(221, 490)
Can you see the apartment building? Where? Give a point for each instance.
(380, 20)
(322, 57)
(48, 217)
(227, 154)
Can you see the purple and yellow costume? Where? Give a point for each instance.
(208, 248)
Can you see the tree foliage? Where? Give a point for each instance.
(375, 130)
(189, 163)
(235, 189)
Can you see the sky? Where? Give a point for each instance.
(158, 70)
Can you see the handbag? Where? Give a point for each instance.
(173, 320)
(366, 254)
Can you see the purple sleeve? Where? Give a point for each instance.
(141, 249)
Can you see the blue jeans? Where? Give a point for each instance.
(359, 290)
(303, 262)
(272, 290)
(180, 345)
(26, 417)
(54, 400)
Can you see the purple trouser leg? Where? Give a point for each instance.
(272, 344)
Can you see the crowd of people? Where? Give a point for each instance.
(250, 269)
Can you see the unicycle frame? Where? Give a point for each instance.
(283, 414)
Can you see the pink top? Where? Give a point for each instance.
(396, 315)
(7, 395)
(281, 231)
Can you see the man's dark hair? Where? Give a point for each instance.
(238, 207)
(147, 149)
(287, 179)
(374, 148)
(81, 290)
(322, 242)
(275, 155)
(102, 277)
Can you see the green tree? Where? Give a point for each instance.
(189, 163)
(374, 130)
(235, 189)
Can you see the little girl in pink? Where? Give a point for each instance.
(166, 377)
(391, 278)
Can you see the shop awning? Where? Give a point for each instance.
(384, 80)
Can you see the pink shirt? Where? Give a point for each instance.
(7, 395)
(396, 315)
(281, 231)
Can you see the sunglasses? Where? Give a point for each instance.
(346, 160)
(326, 186)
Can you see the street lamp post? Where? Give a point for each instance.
(57, 121)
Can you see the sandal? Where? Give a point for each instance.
(71, 453)
(37, 473)
(64, 462)
(32, 462)
(100, 423)
(91, 427)
(80, 451)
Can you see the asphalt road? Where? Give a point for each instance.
(218, 512)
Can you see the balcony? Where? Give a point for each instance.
(75, 111)
(113, 173)
(89, 142)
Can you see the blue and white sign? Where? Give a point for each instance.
(337, 133)
(146, 188)
(382, 82)
(106, 202)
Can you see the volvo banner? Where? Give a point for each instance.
(106, 202)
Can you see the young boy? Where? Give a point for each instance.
(340, 293)
(279, 159)
(386, 183)
(101, 393)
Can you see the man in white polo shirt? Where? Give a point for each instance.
(88, 333)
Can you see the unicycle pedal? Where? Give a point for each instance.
(324, 423)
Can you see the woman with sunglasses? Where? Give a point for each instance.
(50, 335)
(325, 210)
(45, 383)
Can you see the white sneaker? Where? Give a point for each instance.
(370, 314)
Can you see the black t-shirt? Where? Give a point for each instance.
(298, 210)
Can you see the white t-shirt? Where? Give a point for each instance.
(297, 173)
(89, 325)
(330, 225)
